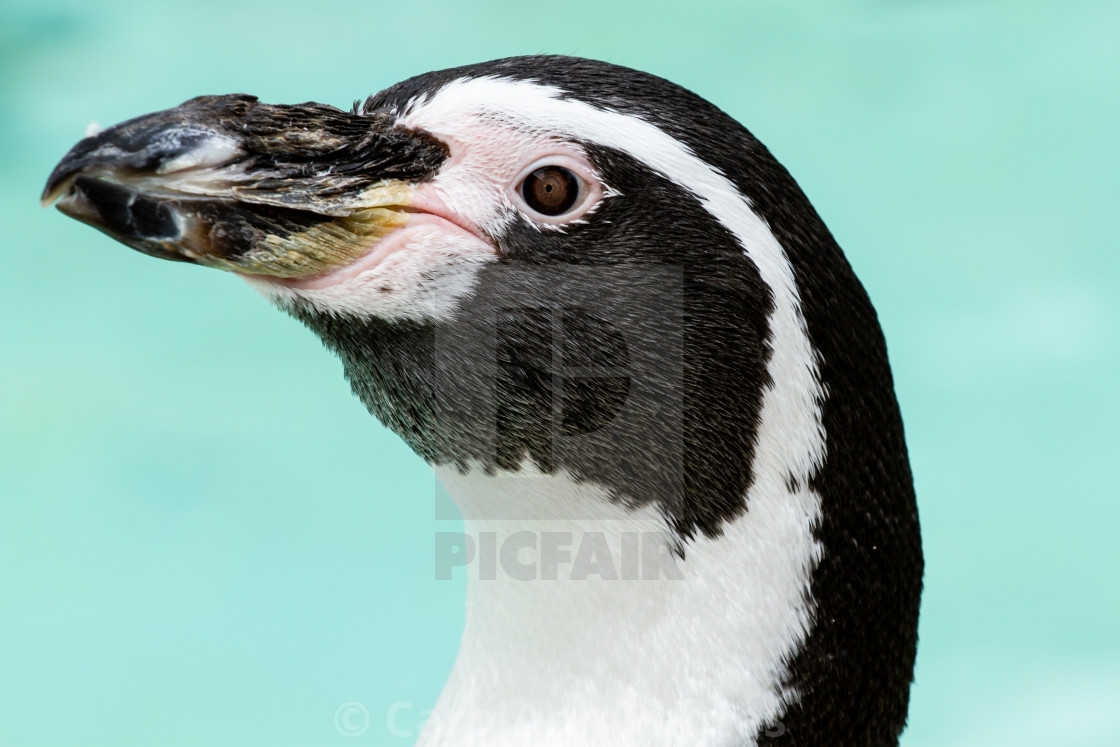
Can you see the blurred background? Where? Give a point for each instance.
(205, 540)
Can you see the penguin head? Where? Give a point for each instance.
(388, 211)
(461, 235)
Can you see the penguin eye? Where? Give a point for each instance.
(551, 190)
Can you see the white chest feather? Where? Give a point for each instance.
(567, 646)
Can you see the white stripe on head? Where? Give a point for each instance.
(765, 558)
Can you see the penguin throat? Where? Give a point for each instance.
(580, 605)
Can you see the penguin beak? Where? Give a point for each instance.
(228, 182)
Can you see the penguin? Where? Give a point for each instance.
(630, 349)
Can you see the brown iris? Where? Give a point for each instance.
(551, 190)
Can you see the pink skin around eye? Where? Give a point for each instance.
(427, 214)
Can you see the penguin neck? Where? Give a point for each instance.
(578, 604)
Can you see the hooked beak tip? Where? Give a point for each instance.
(57, 183)
(51, 194)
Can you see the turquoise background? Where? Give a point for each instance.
(205, 540)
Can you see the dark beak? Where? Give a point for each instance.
(228, 182)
